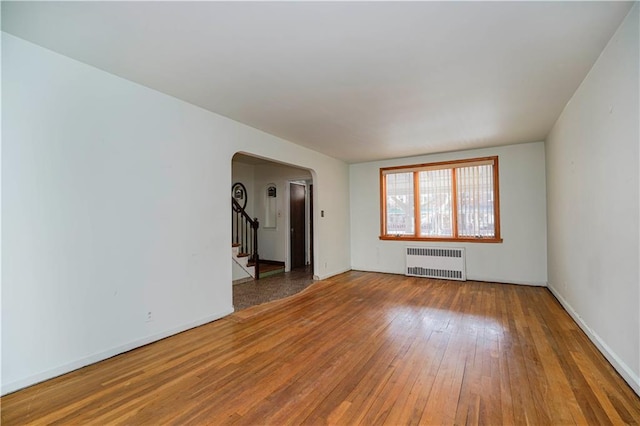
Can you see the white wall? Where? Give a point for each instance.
(238, 272)
(245, 174)
(520, 259)
(593, 211)
(114, 205)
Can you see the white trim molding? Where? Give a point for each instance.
(331, 274)
(101, 356)
(632, 379)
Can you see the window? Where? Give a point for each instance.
(449, 201)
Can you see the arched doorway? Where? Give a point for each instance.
(270, 199)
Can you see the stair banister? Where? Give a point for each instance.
(244, 232)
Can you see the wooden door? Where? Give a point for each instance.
(296, 219)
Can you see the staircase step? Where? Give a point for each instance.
(272, 272)
(243, 254)
(236, 245)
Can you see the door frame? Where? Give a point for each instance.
(289, 260)
(309, 222)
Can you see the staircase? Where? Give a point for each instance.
(244, 237)
(242, 259)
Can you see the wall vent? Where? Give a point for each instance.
(436, 262)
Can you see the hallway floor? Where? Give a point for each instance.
(271, 288)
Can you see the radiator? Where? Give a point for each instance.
(436, 262)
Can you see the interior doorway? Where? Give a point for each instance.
(297, 214)
(268, 193)
(268, 189)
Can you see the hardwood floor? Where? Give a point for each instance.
(360, 348)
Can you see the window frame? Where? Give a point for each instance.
(415, 169)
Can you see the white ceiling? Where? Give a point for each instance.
(357, 81)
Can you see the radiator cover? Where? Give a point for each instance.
(436, 262)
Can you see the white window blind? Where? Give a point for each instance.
(454, 200)
(436, 204)
(399, 208)
(475, 201)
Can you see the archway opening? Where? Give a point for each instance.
(280, 197)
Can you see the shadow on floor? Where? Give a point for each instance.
(271, 288)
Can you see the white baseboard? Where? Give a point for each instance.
(469, 278)
(621, 367)
(331, 274)
(92, 359)
(506, 281)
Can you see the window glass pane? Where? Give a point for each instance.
(436, 203)
(456, 200)
(400, 220)
(475, 201)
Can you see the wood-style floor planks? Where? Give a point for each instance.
(359, 348)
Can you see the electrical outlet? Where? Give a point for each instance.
(149, 316)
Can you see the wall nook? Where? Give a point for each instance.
(270, 206)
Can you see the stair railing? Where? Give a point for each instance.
(244, 234)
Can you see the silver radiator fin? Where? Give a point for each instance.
(436, 262)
